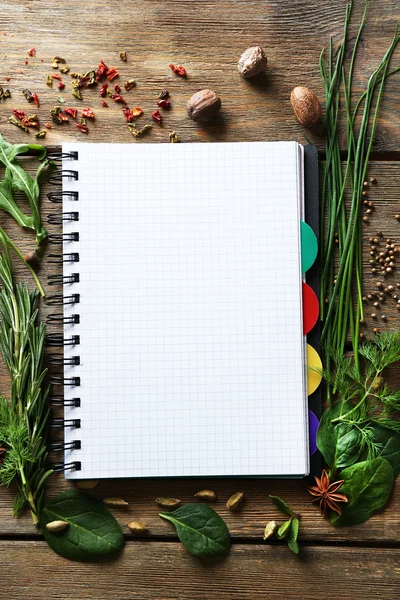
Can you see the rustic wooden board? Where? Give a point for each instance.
(207, 37)
(258, 510)
(149, 570)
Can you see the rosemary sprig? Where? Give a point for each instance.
(23, 419)
(342, 189)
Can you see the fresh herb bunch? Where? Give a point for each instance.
(341, 262)
(359, 434)
(16, 179)
(23, 420)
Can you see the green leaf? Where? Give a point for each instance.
(281, 505)
(367, 486)
(92, 533)
(284, 530)
(329, 434)
(348, 444)
(390, 442)
(293, 535)
(200, 529)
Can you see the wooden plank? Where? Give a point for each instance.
(165, 571)
(257, 511)
(207, 37)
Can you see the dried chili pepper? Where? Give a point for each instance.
(117, 88)
(41, 134)
(138, 132)
(30, 121)
(77, 92)
(129, 116)
(103, 90)
(71, 111)
(136, 111)
(47, 125)
(156, 116)
(123, 56)
(56, 61)
(32, 51)
(111, 74)
(64, 70)
(181, 71)
(88, 113)
(18, 123)
(163, 95)
(118, 98)
(104, 103)
(61, 85)
(57, 115)
(18, 113)
(49, 80)
(164, 104)
(82, 127)
(56, 76)
(7, 78)
(101, 70)
(4, 93)
(28, 94)
(35, 99)
(26, 62)
(129, 84)
(174, 138)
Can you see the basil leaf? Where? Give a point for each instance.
(284, 530)
(367, 486)
(329, 435)
(200, 529)
(281, 505)
(92, 533)
(293, 535)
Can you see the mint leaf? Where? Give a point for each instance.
(200, 529)
(92, 533)
(283, 530)
(293, 535)
(281, 505)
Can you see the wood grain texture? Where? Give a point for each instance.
(248, 522)
(149, 570)
(207, 37)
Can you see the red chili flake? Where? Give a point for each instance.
(18, 113)
(26, 62)
(117, 88)
(156, 116)
(30, 122)
(56, 76)
(82, 127)
(32, 51)
(47, 125)
(118, 98)
(181, 71)
(103, 90)
(101, 70)
(61, 85)
(111, 74)
(35, 98)
(8, 78)
(129, 116)
(104, 103)
(71, 111)
(164, 103)
(88, 113)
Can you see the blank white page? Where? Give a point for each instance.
(191, 343)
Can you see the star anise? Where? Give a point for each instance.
(326, 494)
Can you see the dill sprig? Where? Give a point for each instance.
(23, 418)
(341, 262)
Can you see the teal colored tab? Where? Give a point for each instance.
(309, 246)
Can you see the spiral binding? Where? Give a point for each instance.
(54, 340)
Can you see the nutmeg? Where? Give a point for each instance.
(252, 62)
(306, 106)
(203, 106)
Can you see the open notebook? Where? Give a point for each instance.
(183, 308)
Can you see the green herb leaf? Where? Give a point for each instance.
(389, 441)
(281, 505)
(93, 532)
(367, 486)
(348, 445)
(293, 535)
(329, 436)
(200, 529)
(284, 530)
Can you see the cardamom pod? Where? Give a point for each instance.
(270, 529)
(209, 495)
(113, 501)
(168, 502)
(137, 527)
(57, 525)
(87, 484)
(235, 500)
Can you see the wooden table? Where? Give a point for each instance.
(207, 37)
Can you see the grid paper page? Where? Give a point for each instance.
(191, 346)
